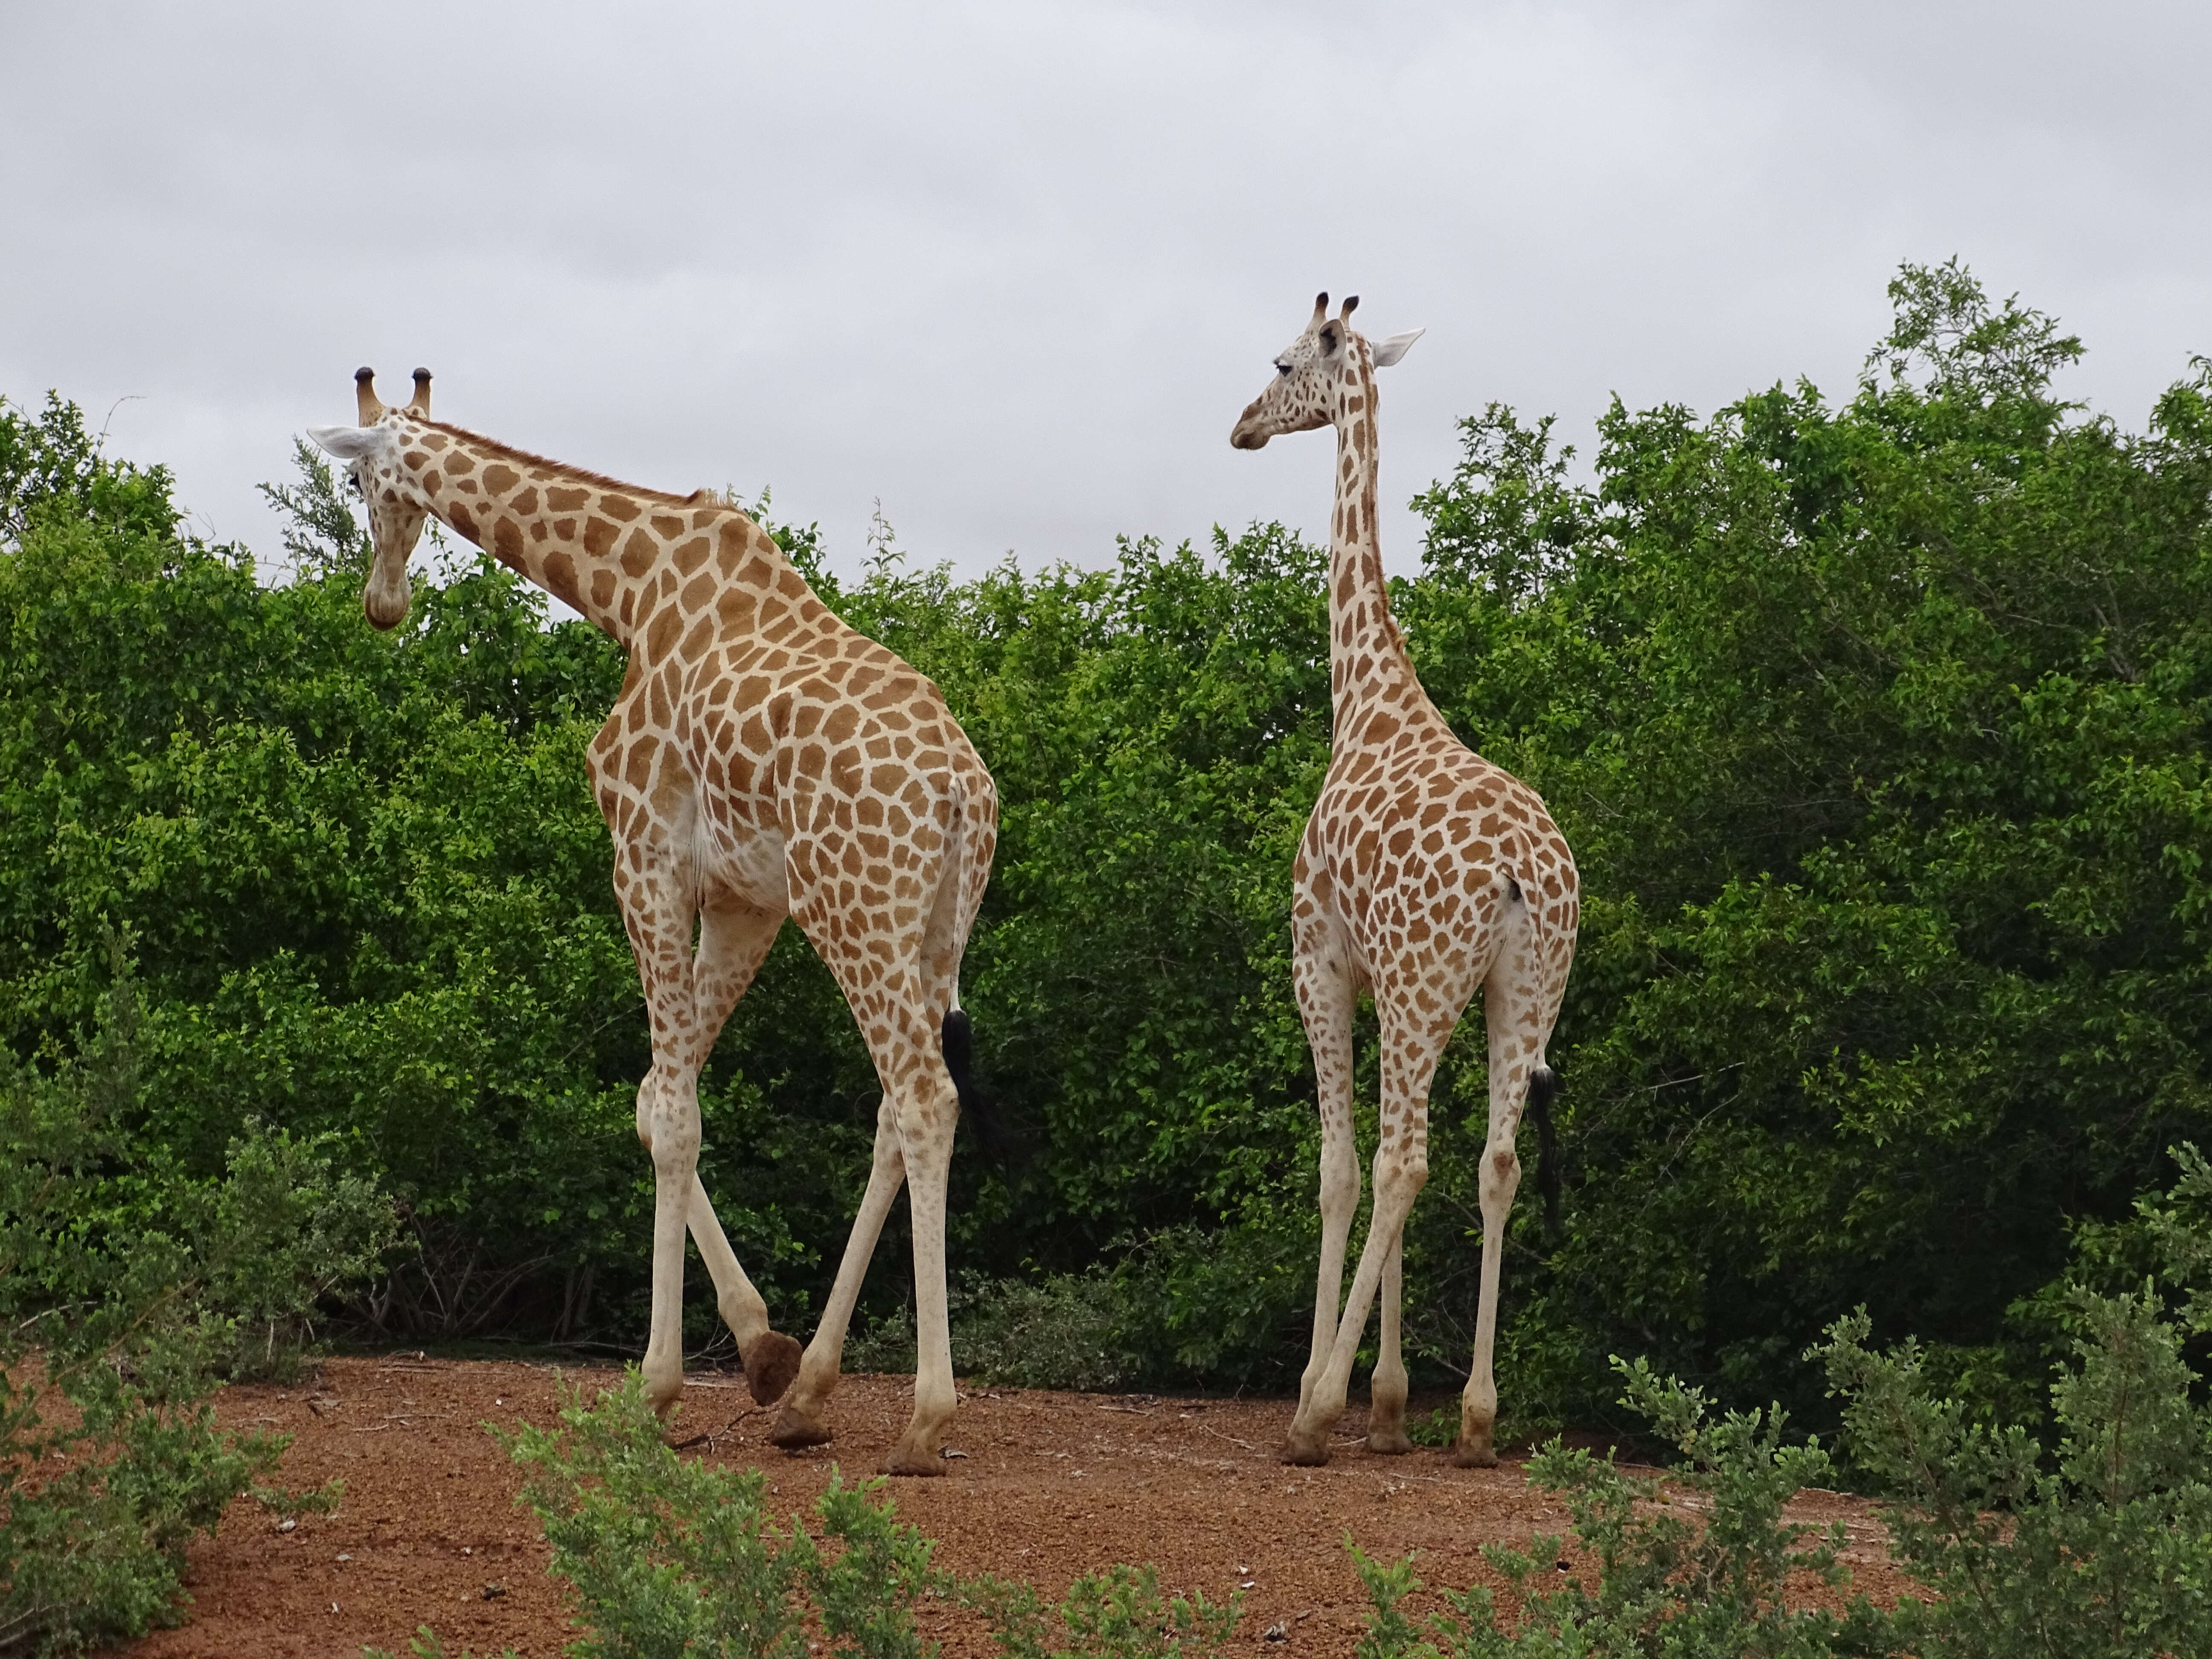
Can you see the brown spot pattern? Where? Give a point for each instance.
(745, 775)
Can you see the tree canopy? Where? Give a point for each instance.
(1878, 728)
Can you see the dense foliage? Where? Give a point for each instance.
(1881, 733)
(1877, 727)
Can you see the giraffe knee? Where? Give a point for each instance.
(668, 1122)
(1339, 1184)
(1399, 1177)
(1501, 1175)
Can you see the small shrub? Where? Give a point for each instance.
(1118, 1614)
(2106, 1550)
(1701, 1577)
(1063, 1332)
(113, 1331)
(886, 1348)
(670, 1556)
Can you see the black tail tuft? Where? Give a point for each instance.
(957, 1041)
(1543, 1084)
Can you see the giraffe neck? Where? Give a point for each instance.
(635, 562)
(1366, 652)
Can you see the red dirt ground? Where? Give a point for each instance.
(1051, 1485)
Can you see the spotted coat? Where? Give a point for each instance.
(1425, 873)
(763, 760)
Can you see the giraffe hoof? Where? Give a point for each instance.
(1305, 1451)
(796, 1430)
(914, 1460)
(771, 1363)
(1391, 1443)
(1474, 1453)
(663, 1394)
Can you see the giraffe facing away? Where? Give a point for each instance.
(763, 760)
(1424, 873)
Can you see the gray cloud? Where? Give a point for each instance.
(1014, 268)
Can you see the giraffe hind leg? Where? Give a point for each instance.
(1411, 1045)
(900, 1001)
(1386, 1407)
(1327, 996)
(1519, 1009)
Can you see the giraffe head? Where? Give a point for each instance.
(1315, 374)
(397, 504)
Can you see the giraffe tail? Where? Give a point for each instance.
(1543, 1084)
(957, 1041)
(956, 1037)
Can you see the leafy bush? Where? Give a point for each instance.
(1070, 1331)
(674, 1557)
(113, 1333)
(1705, 1577)
(1879, 728)
(2105, 1548)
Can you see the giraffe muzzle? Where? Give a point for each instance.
(384, 603)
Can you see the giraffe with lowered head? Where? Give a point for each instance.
(763, 760)
(1424, 873)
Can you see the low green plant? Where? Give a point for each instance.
(2101, 1546)
(1700, 1576)
(1437, 1428)
(1061, 1332)
(2104, 1549)
(114, 1332)
(670, 1556)
(1120, 1612)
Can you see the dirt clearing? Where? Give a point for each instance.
(1049, 1487)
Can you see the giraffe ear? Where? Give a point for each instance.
(348, 443)
(1387, 352)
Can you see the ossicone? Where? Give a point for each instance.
(420, 402)
(364, 394)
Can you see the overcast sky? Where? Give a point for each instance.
(1013, 269)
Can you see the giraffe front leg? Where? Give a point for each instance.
(1386, 1390)
(654, 889)
(733, 941)
(770, 1358)
(1411, 1044)
(1400, 1170)
(803, 1421)
(1325, 1001)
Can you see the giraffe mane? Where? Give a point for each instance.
(508, 451)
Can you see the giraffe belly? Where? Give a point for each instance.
(742, 863)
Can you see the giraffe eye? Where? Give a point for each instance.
(1282, 367)
(353, 483)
